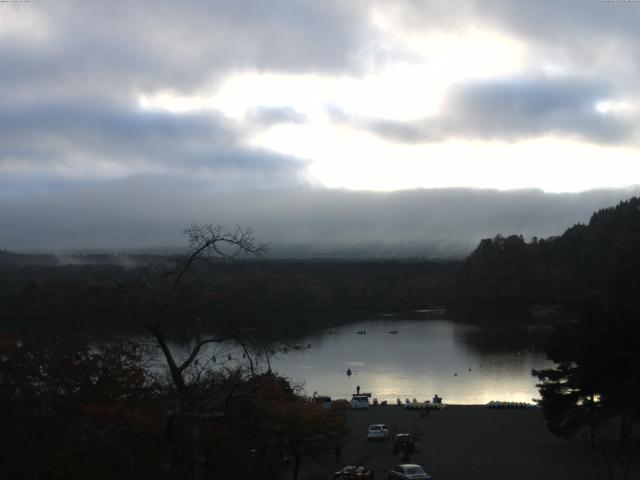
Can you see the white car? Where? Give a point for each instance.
(377, 431)
(408, 471)
(359, 401)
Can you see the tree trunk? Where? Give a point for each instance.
(199, 457)
(626, 428)
(593, 425)
(296, 465)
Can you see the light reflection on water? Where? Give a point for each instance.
(463, 363)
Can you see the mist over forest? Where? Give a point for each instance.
(149, 214)
(503, 275)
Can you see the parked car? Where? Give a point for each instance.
(359, 401)
(404, 442)
(353, 473)
(408, 471)
(377, 431)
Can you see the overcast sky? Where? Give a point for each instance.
(394, 127)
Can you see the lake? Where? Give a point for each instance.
(465, 362)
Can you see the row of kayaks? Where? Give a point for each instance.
(415, 405)
(364, 332)
(512, 405)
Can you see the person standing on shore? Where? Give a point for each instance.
(358, 389)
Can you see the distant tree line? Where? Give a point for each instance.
(503, 274)
(294, 296)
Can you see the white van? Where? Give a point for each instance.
(359, 401)
(377, 431)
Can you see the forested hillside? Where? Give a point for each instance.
(600, 258)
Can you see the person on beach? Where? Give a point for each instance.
(358, 389)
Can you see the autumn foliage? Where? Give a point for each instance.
(72, 408)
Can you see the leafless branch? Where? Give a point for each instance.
(196, 350)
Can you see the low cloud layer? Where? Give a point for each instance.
(150, 212)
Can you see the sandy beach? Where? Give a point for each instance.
(470, 442)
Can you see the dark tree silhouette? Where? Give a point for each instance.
(596, 385)
(156, 293)
(156, 289)
(229, 420)
(72, 407)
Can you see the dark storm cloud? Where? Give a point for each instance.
(585, 40)
(117, 48)
(41, 137)
(566, 24)
(72, 74)
(512, 109)
(150, 212)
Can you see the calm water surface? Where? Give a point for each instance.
(464, 363)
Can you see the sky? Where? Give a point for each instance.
(367, 127)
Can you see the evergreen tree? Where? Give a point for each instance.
(597, 373)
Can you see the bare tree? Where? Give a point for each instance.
(155, 290)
